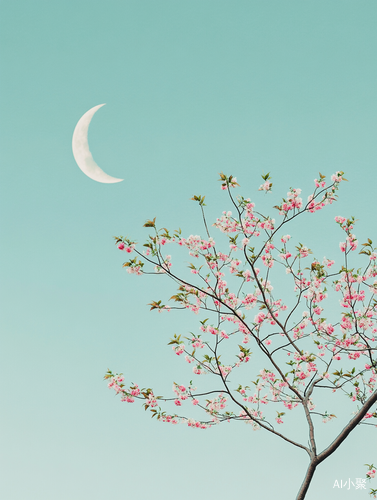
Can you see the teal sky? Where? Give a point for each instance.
(191, 89)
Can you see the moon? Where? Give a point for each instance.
(82, 154)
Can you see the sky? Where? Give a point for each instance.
(191, 89)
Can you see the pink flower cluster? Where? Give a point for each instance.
(128, 249)
(293, 201)
(371, 473)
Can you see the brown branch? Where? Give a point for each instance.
(348, 428)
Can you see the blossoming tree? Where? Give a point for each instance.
(288, 351)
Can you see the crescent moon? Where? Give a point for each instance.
(82, 154)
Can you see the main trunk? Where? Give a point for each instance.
(307, 480)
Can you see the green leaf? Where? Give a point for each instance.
(150, 223)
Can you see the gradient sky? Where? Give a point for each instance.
(192, 89)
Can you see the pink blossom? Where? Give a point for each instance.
(318, 183)
(259, 318)
(340, 220)
(337, 177)
(285, 256)
(304, 252)
(224, 334)
(178, 349)
(266, 186)
(371, 473)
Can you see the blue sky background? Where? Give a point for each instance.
(192, 88)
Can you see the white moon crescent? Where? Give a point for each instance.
(83, 156)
